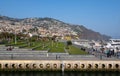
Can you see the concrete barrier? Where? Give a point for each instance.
(57, 65)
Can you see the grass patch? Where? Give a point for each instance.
(57, 47)
(76, 51)
(54, 47)
(41, 46)
(57, 50)
(33, 44)
(19, 44)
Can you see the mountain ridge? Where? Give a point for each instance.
(55, 25)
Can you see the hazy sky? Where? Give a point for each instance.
(100, 15)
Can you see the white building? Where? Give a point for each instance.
(114, 43)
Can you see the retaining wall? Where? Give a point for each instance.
(59, 65)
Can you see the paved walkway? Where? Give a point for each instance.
(18, 54)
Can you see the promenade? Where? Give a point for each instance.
(41, 60)
(27, 54)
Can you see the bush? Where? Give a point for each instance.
(69, 43)
(4, 42)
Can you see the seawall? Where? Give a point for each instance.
(59, 65)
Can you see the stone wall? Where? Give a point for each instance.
(57, 65)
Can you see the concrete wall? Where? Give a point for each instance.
(57, 65)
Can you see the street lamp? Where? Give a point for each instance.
(15, 38)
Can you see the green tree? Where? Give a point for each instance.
(68, 43)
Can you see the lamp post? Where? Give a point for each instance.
(15, 38)
(30, 35)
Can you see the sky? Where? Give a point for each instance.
(99, 15)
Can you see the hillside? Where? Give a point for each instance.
(48, 26)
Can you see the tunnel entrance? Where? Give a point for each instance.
(27, 65)
(55, 65)
(76, 66)
(20, 65)
(103, 66)
(89, 66)
(41, 65)
(0, 66)
(34, 65)
(13, 65)
(6, 66)
(68, 65)
(116, 66)
(110, 66)
(82, 65)
(96, 65)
